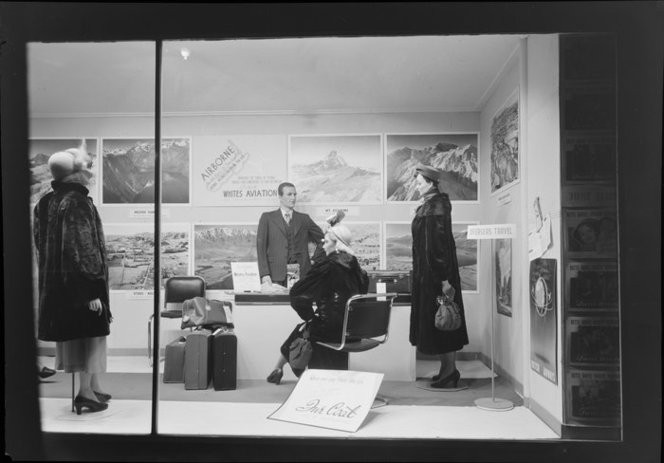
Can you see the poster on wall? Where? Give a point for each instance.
(456, 154)
(589, 158)
(543, 319)
(336, 169)
(365, 243)
(130, 254)
(505, 145)
(40, 149)
(590, 233)
(503, 273)
(238, 170)
(128, 170)
(399, 254)
(592, 286)
(217, 245)
(593, 341)
(593, 397)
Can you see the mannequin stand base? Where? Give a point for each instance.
(494, 404)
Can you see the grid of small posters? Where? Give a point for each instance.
(591, 320)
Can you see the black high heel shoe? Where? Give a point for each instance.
(93, 406)
(448, 382)
(102, 396)
(275, 376)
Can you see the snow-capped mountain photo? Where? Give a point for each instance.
(216, 246)
(128, 171)
(338, 169)
(455, 154)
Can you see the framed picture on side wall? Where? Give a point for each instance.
(456, 154)
(505, 156)
(503, 273)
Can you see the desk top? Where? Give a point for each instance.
(284, 299)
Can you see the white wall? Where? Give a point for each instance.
(508, 332)
(129, 330)
(543, 180)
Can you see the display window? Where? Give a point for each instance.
(259, 238)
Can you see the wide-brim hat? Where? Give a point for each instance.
(429, 172)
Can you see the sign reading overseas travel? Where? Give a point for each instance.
(238, 170)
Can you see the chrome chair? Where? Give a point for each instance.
(366, 326)
(177, 290)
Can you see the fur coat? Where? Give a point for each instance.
(434, 260)
(71, 255)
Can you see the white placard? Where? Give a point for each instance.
(333, 399)
(491, 232)
(350, 211)
(245, 277)
(148, 294)
(147, 213)
(381, 288)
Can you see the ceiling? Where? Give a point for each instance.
(309, 75)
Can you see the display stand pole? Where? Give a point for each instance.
(492, 403)
(72, 391)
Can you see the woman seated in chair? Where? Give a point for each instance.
(332, 280)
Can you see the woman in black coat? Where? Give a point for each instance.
(332, 280)
(73, 276)
(435, 269)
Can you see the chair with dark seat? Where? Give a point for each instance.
(366, 325)
(177, 290)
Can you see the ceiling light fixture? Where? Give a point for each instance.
(185, 53)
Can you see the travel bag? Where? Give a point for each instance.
(224, 360)
(174, 361)
(197, 360)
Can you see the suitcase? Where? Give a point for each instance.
(197, 361)
(224, 360)
(174, 362)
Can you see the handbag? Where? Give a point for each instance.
(448, 315)
(200, 312)
(300, 351)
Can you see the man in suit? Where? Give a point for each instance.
(283, 238)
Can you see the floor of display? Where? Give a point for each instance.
(413, 412)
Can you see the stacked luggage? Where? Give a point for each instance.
(207, 354)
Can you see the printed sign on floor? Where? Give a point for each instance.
(333, 399)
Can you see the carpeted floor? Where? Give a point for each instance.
(137, 386)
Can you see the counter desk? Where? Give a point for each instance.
(263, 321)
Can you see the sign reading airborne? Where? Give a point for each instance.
(238, 170)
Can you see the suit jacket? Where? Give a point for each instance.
(272, 243)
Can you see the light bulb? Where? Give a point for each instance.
(185, 53)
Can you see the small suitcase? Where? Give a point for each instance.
(224, 360)
(197, 360)
(174, 362)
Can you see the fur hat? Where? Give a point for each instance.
(61, 164)
(342, 233)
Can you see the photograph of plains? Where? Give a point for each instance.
(130, 254)
(336, 168)
(399, 253)
(128, 170)
(40, 149)
(505, 147)
(455, 154)
(216, 246)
